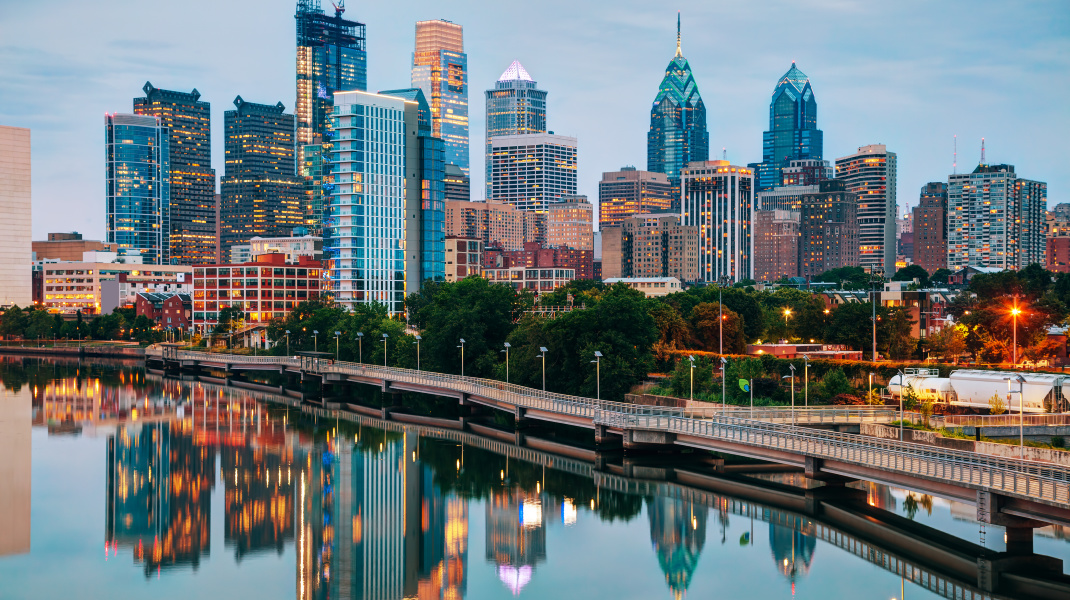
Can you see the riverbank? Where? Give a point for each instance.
(97, 350)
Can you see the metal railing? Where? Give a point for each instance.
(1012, 476)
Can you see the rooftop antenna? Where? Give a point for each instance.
(982, 151)
(955, 161)
(724, 153)
(678, 53)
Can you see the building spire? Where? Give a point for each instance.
(678, 53)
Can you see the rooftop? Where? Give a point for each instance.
(515, 72)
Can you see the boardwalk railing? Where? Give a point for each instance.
(1006, 475)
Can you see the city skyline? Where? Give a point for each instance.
(931, 86)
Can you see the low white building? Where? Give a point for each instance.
(650, 286)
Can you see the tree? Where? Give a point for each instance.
(910, 273)
(835, 383)
(940, 277)
(895, 333)
(681, 379)
(851, 325)
(13, 322)
(996, 405)
(949, 342)
(707, 328)
(854, 278)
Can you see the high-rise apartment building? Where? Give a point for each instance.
(516, 106)
(806, 171)
(718, 198)
(629, 192)
(440, 69)
(496, 223)
(793, 132)
(189, 127)
(828, 229)
(870, 174)
(930, 228)
(570, 224)
(776, 245)
(261, 196)
(375, 205)
(531, 171)
(995, 219)
(654, 245)
(15, 243)
(138, 194)
(458, 186)
(677, 133)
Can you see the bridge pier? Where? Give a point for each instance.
(520, 420)
(641, 440)
(1019, 556)
(812, 469)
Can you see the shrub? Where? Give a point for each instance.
(926, 411)
(850, 399)
(1058, 441)
(910, 398)
(997, 405)
(835, 383)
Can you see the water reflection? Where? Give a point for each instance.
(15, 456)
(678, 533)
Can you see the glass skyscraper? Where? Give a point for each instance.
(793, 132)
(516, 106)
(677, 121)
(138, 186)
(187, 120)
(440, 69)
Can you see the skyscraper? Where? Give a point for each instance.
(530, 171)
(995, 219)
(138, 173)
(15, 244)
(458, 185)
(628, 192)
(516, 106)
(930, 227)
(828, 229)
(261, 196)
(870, 174)
(188, 123)
(677, 133)
(718, 198)
(793, 132)
(440, 69)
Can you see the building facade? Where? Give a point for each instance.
(291, 247)
(570, 224)
(68, 246)
(806, 171)
(785, 197)
(718, 199)
(261, 195)
(1057, 254)
(189, 133)
(440, 69)
(652, 287)
(138, 179)
(458, 185)
(581, 262)
(793, 133)
(535, 280)
(654, 245)
(496, 223)
(15, 217)
(629, 192)
(166, 310)
(930, 228)
(776, 245)
(264, 289)
(870, 174)
(995, 219)
(531, 171)
(516, 106)
(828, 230)
(100, 287)
(464, 257)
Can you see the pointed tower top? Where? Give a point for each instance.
(678, 53)
(515, 72)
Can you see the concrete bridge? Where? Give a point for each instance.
(1016, 494)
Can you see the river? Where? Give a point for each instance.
(119, 484)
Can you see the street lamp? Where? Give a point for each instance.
(360, 347)
(506, 351)
(385, 336)
(806, 381)
(337, 345)
(1021, 411)
(874, 303)
(724, 390)
(462, 356)
(692, 359)
(543, 350)
(1015, 311)
(315, 340)
(792, 367)
(902, 384)
(870, 396)
(598, 374)
(417, 342)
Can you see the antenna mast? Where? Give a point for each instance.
(955, 160)
(724, 153)
(982, 151)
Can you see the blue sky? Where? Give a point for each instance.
(908, 74)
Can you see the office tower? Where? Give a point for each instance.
(375, 206)
(188, 123)
(654, 245)
(426, 246)
(516, 106)
(793, 132)
(261, 196)
(776, 245)
(828, 229)
(677, 133)
(440, 69)
(570, 224)
(718, 198)
(930, 228)
(16, 246)
(138, 173)
(496, 223)
(532, 170)
(995, 219)
(870, 174)
(785, 197)
(458, 186)
(807, 171)
(315, 188)
(629, 192)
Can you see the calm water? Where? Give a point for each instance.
(114, 484)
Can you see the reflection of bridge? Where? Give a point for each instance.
(1010, 492)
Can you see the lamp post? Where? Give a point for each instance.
(806, 381)
(360, 347)
(792, 378)
(462, 356)
(417, 342)
(720, 314)
(724, 389)
(1015, 311)
(385, 337)
(337, 345)
(871, 374)
(692, 359)
(506, 351)
(543, 350)
(315, 340)
(902, 385)
(1021, 411)
(597, 374)
(873, 301)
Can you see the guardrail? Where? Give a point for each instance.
(1005, 420)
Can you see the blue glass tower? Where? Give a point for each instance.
(138, 171)
(677, 133)
(793, 132)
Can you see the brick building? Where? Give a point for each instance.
(264, 289)
(166, 310)
(1057, 254)
(930, 228)
(828, 230)
(464, 257)
(651, 245)
(534, 255)
(776, 245)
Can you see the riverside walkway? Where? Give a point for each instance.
(1016, 494)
